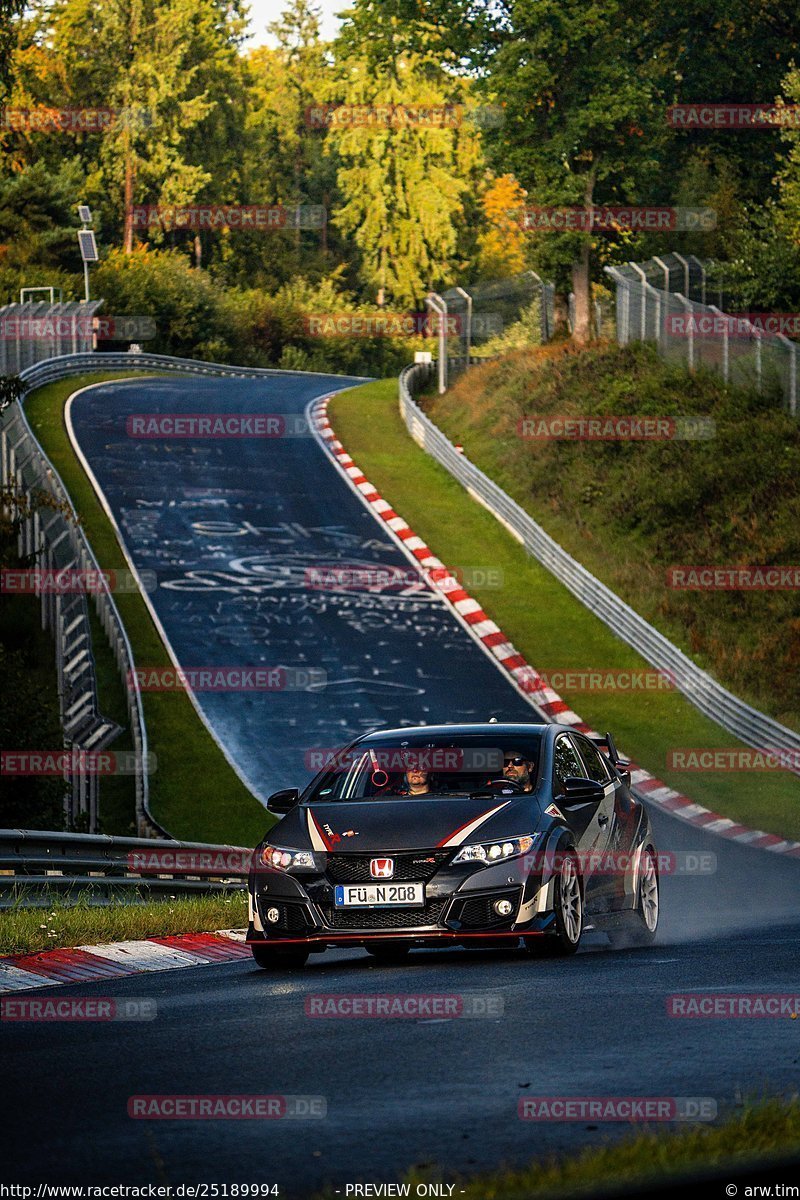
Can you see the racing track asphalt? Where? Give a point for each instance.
(235, 531)
(399, 1092)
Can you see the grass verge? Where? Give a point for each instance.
(545, 622)
(194, 793)
(761, 1135)
(82, 923)
(632, 510)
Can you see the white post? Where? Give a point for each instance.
(439, 306)
(468, 299)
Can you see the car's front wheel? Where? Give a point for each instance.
(272, 959)
(568, 908)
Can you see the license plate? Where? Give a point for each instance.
(379, 895)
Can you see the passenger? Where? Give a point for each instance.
(417, 782)
(518, 769)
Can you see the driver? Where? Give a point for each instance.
(517, 768)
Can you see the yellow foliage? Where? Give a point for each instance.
(502, 244)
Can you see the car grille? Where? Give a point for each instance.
(383, 918)
(418, 866)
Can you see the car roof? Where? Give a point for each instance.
(484, 728)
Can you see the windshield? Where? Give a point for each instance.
(424, 765)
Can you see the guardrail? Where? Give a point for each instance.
(52, 369)
(55, 542)
(752, 727)
(34, 864)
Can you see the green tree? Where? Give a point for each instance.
(9, 10)
(403, 184)
(169, 66)
(789, 173)
(580, 90)
(284, 159)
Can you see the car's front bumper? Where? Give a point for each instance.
(299, 910)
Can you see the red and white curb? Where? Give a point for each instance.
(86, 964)
(521, 674)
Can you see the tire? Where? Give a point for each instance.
(568, 907)
(272, 960)
(642, 928)
(388, 952)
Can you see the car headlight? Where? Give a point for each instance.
(492, 852)
(281, 859)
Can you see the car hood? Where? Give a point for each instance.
(404, 823)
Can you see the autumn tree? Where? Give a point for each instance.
(502, 242)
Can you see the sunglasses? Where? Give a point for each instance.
(516, 762)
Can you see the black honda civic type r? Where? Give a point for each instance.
(475, 835)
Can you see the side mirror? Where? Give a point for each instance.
(283, 801)
(623, 769)
(581, 791)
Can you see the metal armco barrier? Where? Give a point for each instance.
(34, 865)
(752, 727)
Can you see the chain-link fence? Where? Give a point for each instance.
(32, 332)
(486, 318)
(602, 317)
(667, 301)
(54, 548)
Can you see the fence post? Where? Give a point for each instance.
(687, 281)
(687, 304)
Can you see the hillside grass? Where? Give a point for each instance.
(629, 511)
(546, 622)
